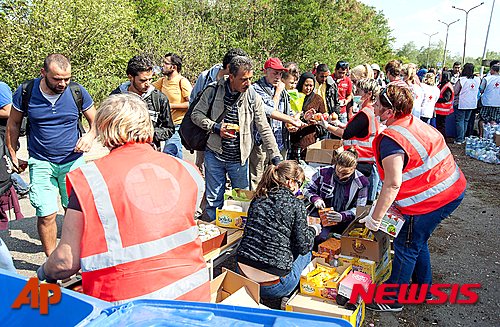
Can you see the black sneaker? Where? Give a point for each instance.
(395, 307)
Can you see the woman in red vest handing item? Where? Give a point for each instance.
(128, 241)
(421, 178)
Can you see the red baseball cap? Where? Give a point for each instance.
(274, 63)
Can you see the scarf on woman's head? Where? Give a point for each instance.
(300, 87)
(339, 198)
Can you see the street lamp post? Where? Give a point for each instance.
(429, 46)
(466, 17)
(486, 40)
(446, 40)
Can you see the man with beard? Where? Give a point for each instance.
(55, 145)
(140, 74)
(178, 90)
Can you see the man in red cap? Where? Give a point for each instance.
(276, 103)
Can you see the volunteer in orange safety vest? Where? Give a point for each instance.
(361, 130)
(444, 105)
(130, 222)
(421, 178)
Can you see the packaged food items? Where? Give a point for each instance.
(333, 116)
(317, 116)
(331, 247)
(207, 231)
(232, 128)
(392, 222)
(321, 275)
(362, 232)
(324, 219)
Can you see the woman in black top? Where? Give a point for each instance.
(277, 241)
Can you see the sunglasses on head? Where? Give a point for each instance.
(342, 64)
(386, 98)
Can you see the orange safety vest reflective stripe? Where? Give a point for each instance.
(445, 108)
(140, 240)
(364, 146)
(431, 178)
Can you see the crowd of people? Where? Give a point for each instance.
(129, 217)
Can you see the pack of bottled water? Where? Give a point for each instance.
(484, 149)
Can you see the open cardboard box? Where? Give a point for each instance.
(233, 289)
(323, 307)
(232, 218)
(329, 290)
(364, 248)
(214, 242)
(324, 151)
(378, 271)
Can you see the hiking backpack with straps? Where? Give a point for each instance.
(27, 89)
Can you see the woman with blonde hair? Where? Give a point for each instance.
(431, 95)
(129, 225)
(421, 178)
(277, 242)
(410, 77)
(357, 73)
(340, 187)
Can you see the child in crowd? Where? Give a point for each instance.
(277, 241)
(340, 187)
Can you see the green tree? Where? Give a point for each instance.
(95, 35)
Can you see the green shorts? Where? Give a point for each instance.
(46, 181)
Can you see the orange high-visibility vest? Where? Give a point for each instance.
(364, 146)
(431, 178)
(445, 108)
(140, 240)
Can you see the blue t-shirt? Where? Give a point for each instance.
(53, 129)
(5, 99)
(388, 147)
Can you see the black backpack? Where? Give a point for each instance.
(27, 88)
(5, 168)
(193, 137)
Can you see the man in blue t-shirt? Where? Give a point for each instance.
(54, 144)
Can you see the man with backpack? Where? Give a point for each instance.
(230, 111)
(52, 104)
(140, 75)
(211, 75)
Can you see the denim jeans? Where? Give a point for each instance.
(462, 117)
(173, 146)
(411, 251)
(20, 185)
(215, 180)
(289, 282)
(374, 181)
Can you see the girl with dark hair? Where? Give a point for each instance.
(444, 105)
(466, 94)
(313, 103)
(277, 241)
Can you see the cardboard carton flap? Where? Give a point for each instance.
(241, 297)
(229, 282)
(318, 306)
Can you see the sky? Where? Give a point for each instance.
(410, 19)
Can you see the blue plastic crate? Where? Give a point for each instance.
(148, 313)
(74, 309)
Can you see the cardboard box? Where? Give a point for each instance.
(214, 242)
(377, 271)
(323, 307)
(329, 291)
(237, 194)
(497, 139)
(354, 277)
(226, 287)
(330, 246)
(232, 218)
(364, 248)
(324, 151)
